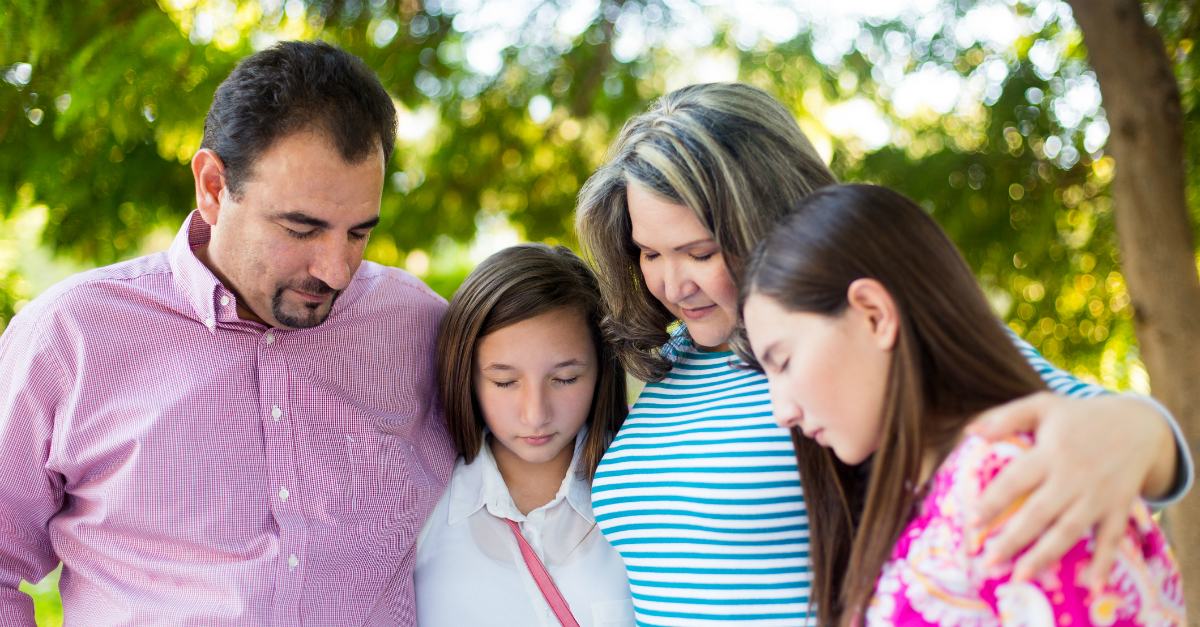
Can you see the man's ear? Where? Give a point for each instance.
(209, 172)
(871, 300)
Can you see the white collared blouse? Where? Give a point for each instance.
(469, 567)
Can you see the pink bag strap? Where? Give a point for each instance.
(542, 576)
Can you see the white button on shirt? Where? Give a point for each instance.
(469, 567)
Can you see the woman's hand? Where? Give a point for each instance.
(1091, 459)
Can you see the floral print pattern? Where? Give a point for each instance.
(936, 575)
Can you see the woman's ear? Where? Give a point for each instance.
(875, 305)
(209, 172)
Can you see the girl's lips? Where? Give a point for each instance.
(697, 313)
(537, 440)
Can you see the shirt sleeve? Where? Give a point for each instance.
(1061, 382)
(31, 385)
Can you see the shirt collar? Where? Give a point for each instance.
(193, 279)
(479, 484)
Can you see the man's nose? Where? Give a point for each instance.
(331, 263)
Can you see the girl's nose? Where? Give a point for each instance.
(535, 408)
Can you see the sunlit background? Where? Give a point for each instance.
(985, 112)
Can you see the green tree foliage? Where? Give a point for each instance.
(103, 106)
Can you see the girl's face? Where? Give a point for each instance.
(683, 266)
(827, 374)
(534, 381)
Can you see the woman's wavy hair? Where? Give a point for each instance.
(730, 152)
(952, 359)
(513, 285)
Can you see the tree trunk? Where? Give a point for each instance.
(1141, 98)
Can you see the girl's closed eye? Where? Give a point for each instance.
(569, 381)
(504, 384)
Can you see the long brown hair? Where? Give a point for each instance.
(516, 284)
(731, 153)
(952, 359)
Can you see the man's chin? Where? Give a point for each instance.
(302, 316)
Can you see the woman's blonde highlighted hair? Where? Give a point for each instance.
(730, 152)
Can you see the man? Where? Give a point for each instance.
(242, 430)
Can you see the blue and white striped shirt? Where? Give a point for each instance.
(700, 495)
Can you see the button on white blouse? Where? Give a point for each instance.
(469, 567)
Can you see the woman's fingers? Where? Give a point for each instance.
(1007, 493)
(1053, 543)
(1007, 489)
(1108, 539)
(1019, 416)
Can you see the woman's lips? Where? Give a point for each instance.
(537, 440)
(698, 312)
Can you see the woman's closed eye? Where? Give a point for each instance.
(504, 384)
(569, 381)
(704, 257)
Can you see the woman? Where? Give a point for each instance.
(845, 309)
(699, 491)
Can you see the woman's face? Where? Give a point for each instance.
(827, 374)
(534, 382)
(683, 266)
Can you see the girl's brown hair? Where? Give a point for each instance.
(952, 359)
(516, 284)
(730, 152)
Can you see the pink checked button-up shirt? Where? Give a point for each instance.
(192, 468)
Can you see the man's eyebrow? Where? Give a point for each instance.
(369, 224)
(302, 218)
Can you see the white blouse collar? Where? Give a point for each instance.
(479, 484)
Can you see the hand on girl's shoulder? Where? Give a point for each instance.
(937, 575)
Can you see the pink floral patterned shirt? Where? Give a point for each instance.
(936, 574)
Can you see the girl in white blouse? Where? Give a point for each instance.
(532, 397)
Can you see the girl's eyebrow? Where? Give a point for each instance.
(561, 364)
(767, 356)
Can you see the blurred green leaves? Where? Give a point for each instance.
(984, 111)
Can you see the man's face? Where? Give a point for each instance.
(294, 239)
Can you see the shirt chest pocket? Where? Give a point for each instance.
(613, 613)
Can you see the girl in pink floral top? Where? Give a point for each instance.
(880, 349)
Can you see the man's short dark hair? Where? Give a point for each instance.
(294, 86)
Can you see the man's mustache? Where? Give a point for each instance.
(313, 286)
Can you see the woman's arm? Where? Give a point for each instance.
(1095, 453)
